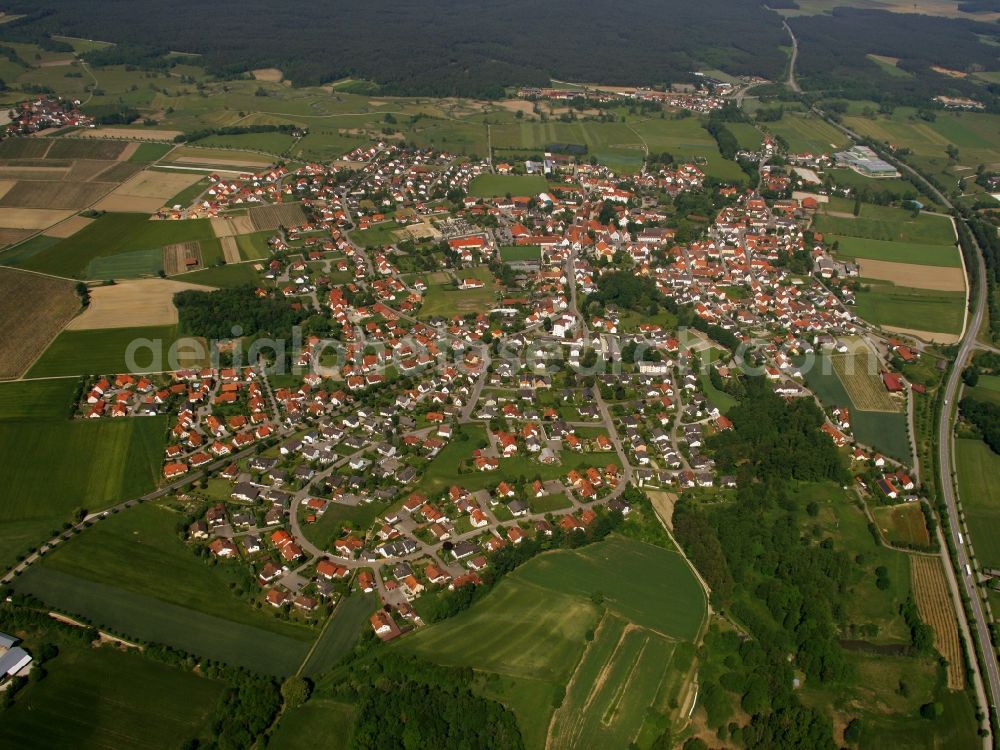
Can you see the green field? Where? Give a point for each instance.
(150, 619)
(889, 224)
(686, 140)
(254, 246)
(102, 351)
(349, 621)
(804, 132)
(884, 431)
(513, 254)
(230, 275)
(53, 466)
(897, 252)
(126, 265)
(102, 698)
(490, 185)
(320, 724)
(380, 235)
(36, 400)
(978, 468)
(918, 309)
(530, 630)
(150, 152)
(270, 143)
(113, 234)
(138, 551)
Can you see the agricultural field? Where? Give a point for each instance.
(621, 671)
(937, 610)
(52, 466)
(379, 235)
(148, 191)
(230, 275)
(110, 235)
(978, 467)
(853, 248)
(268, 143)
(887, 224)
(138, 303)
(54, 195)
(348, 621)
(254, 246)
(81, 352)
(530, 631)
(28, 400)
(26, 336)
(686, 140)
(151, 619)
(804, 132)
(138, 551)
(222, 159)
(96, 698)
(150, 152)
(320, 724)
(490, 185)
(928, 314)
(269, 218)
(446, 300)
(859, 372)
(903, 525)
(75, 148)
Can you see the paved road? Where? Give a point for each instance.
(792, 83)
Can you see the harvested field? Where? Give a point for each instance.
(69, 227)
(129, 151)
(52, 303)
(31, 218)
(860, 375)
(136, 302)
(933, 337)
(934, 603)
(232, 226)
(140, 134)
(181, 257)
(42, 194)
(162, 185)
(230, 250)
(272, 75)
(267, 218)
(129, 204)
(74, 148)
(912, 275)
(13, 236)
(5, 186)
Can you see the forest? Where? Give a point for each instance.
(214, 315)
(439, 47)
(833, 53)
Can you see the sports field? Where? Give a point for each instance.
(52, 466)
(978, 468)
(520, 253)
(105, 351)
(110, 235)
(147, 618)
(97, 699)
(444, 299)
(489, 185)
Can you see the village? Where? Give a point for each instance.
(528, 413)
